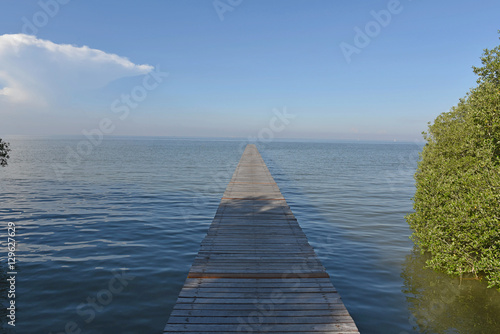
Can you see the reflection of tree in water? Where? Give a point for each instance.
(439, 303)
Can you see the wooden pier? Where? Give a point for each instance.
(255, 271)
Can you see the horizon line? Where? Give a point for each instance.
(215, 138)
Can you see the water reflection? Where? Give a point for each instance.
(439, 303)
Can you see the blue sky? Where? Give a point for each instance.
(228, 70)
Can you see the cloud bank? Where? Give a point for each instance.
(39, 73)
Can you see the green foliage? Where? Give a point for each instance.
(457, 200)
(4, 152)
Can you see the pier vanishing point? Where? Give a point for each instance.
(255, 271)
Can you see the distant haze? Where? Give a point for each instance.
(364, 70)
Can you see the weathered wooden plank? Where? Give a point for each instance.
(256, 240)
(250, 257)
(258, 283)
(277, 327)
(253, 273)
(258, 275)
(297, 246)
(266, 267)
(254, 294)
(245, 313)
(274, 301)
(261, 307)
(253, 268)
(271, 319)
(256, 290)
(261, 262)
(253, 251)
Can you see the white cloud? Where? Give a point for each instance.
(36, 72)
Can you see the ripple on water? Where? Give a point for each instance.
(141, 208)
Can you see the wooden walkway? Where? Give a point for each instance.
(255, 271)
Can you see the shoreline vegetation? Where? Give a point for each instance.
(4, 153)
(457, 212)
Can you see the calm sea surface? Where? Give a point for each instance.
(104, 242)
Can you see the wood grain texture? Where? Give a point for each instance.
(255, 271)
